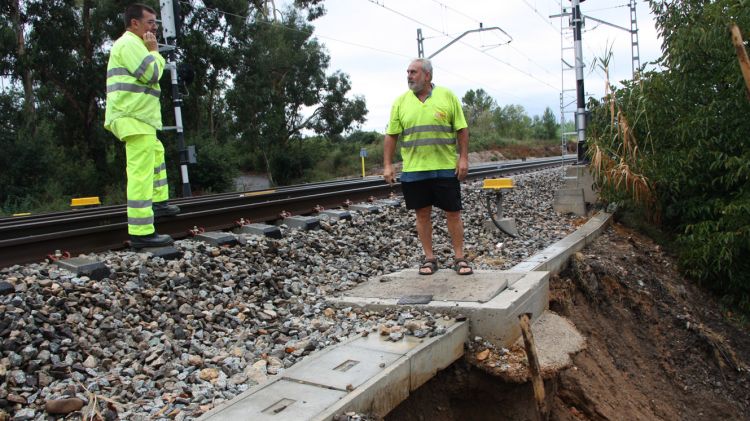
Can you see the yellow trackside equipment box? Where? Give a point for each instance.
(83, 202)
(498, 183)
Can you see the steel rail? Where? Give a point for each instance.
(31, 238)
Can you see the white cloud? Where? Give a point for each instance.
(373, 44)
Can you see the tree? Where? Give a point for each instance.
(476, 103)
(512, 121)
(683, 131)
(280, 74)
(336, 113)
(548, 124)
(359, 137)
(20, 66)
(64, 93)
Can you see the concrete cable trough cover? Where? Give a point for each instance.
(373, 375)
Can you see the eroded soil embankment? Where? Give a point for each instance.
(658, 349)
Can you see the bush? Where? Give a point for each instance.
(690, 121)
(289, 166)
(216, 167)
(35, 173)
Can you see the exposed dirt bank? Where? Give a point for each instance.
(658, 349)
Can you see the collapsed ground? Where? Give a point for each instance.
(658, 348)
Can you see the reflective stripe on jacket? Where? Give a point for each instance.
(427, 129)
(133, 75)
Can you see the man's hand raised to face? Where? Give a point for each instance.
(150, 40)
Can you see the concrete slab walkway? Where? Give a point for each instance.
(444, 285)
(368, 374)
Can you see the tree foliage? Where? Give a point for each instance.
(476, 103)
(690, 120)
(488, 121)
(546, 128)
(258, 84)
(279, 74)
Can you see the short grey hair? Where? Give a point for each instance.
(426, 65)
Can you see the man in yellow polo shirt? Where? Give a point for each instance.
(431, 124)
(133, 114)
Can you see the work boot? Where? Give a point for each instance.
(165, 209)
(150, 240)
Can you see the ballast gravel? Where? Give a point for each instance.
(172, 339)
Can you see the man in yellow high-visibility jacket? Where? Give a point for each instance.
(134, 115)
(432, 126)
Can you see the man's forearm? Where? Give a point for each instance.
(389, 147)
(463, 143)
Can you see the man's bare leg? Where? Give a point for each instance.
(456, 231)
(424, 231)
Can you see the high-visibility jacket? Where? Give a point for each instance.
(133, 91)
(427, 129)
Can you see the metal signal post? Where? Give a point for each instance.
(577, 21)
(187, 155)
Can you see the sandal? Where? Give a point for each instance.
(430, 264)
(462, 263)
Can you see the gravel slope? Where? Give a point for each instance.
(171, 339)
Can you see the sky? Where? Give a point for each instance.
(373, 41)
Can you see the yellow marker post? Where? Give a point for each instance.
(362, 155)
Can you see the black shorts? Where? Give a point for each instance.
(444, 193)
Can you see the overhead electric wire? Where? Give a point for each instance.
(493, 89)
(609, 8)
(351, 43)
(480, 23)
(288, 28)
(368, 47)
(441, 32)
(331, 38)
(468, 45)
(446, 34)
(375, 2)
(585, 30)
(457, 11)
(545, 19)
(518, 70)
(531, 60)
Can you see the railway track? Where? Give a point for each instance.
(31, 238)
